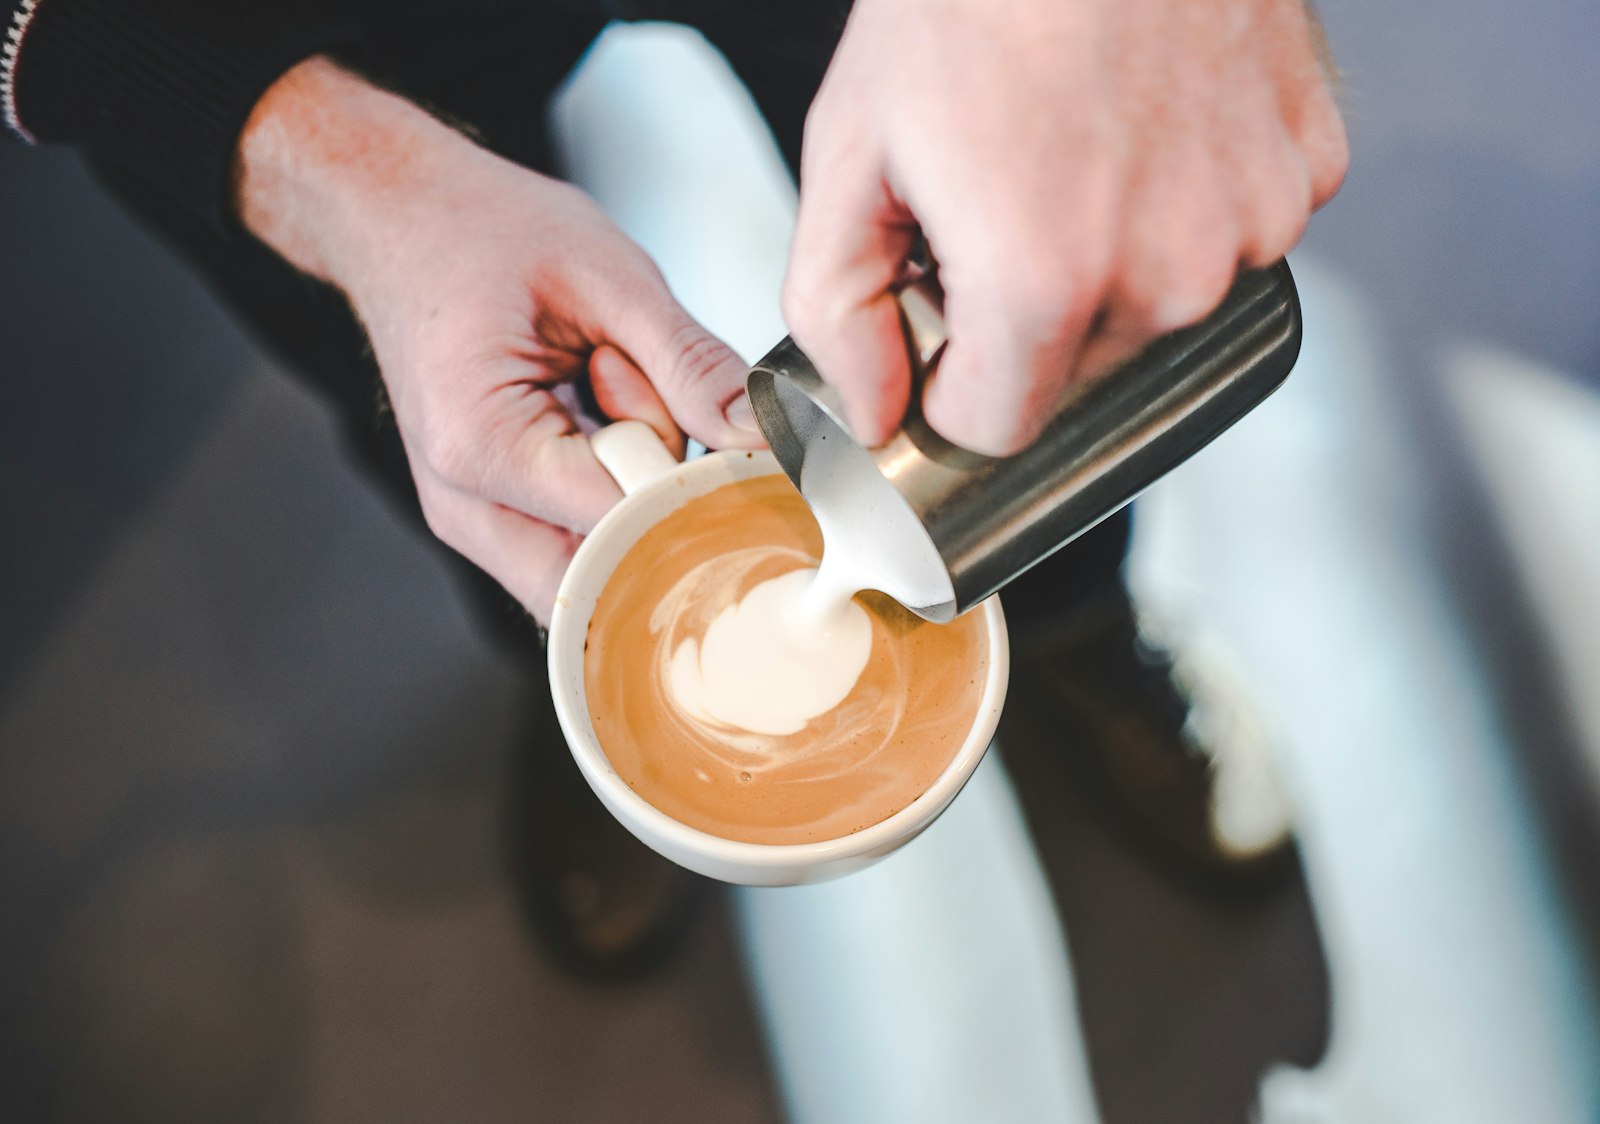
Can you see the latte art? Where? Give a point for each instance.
(759, 676)
(761, 666)
(719, 695)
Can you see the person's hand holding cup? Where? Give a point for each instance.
(487, 292)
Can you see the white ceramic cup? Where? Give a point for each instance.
(655, 485)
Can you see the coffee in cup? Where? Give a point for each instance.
(655, 486)
(731, 703)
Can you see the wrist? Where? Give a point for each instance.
(328, 165)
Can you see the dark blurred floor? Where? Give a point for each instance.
(1185, 1000)
(253, 765)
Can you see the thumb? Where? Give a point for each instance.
(698, 377)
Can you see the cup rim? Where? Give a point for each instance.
(571, 707)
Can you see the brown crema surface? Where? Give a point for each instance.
(848, 769)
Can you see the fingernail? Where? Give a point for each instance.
(740, 415)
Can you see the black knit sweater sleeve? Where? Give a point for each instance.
(162, 87)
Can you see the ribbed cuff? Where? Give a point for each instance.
(163, 87)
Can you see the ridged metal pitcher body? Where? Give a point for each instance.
(980, 521)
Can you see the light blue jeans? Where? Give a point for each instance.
(932, 987)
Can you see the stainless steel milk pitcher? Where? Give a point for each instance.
(919, 505)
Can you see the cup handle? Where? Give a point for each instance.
(633, 453)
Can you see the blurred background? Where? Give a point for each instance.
(255, 763)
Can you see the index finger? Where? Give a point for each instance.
(851, 241)
(532, 457)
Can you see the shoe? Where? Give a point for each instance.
(1163, 733)
(605, 906)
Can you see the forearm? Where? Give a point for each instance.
(323, 155)
(355, 185)
(161, 87)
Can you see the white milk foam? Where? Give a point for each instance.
(793, 648)
(771, 662)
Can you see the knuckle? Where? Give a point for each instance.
(695, 354)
